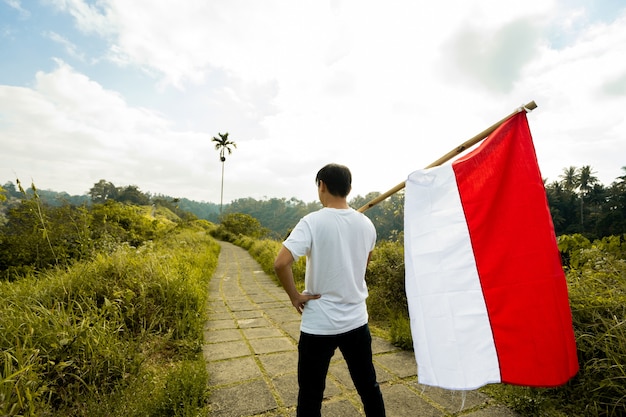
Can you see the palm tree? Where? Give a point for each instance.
(586, 180)
(570, 178)
(223, 144)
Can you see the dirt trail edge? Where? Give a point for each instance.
(250, 346)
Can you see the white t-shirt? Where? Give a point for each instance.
(337, 243)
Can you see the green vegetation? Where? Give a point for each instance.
(102, 301)
(92, 331)
(580, 204)
(105, 314)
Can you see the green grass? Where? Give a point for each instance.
(109, 334)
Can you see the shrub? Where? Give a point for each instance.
(400, 331)
(385, 279)
(597, 289)
(36, 236)
(243, 224)
(124, 223)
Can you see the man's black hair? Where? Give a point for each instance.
(337, 178)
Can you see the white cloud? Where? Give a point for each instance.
(69, 46)
(496, 58)
(17, 5)
(84, 133)
(91, 18)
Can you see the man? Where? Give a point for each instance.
(337, 241)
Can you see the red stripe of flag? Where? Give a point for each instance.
(517, 259)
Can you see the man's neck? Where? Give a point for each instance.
(337, 203)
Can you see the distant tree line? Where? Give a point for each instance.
(579, 203)
(52, 198)
(280, 215)
(104, 191)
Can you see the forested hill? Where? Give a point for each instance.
(104, 190)
(578, 202)
(277, 215)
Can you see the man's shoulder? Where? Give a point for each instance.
(313, 215)
(326, 215)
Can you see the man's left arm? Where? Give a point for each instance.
(282, 267)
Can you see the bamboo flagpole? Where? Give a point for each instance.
(456, 151)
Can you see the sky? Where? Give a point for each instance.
(132, 92)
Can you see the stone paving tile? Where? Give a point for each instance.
(224, 315)
(225, 350)
(239, 369)
(262, 332)
(400, 363)
(226, 335)
(247, 314)
(292, 329)
(241, 306)
(382, 346)
(216, 307)
(220, 324)
(402, 402)
(279, 363)
(274, 344)
(341, 408)
(253, 322)
(271, 305)
(287, 387)
(246, 399)
(333, 387)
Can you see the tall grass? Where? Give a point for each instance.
(596, 276)
(73, 339)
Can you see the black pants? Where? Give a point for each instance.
(314, 354)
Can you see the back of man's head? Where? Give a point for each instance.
(337, 178)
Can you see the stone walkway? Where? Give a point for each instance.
(251, 352)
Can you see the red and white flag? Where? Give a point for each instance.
(486, 291)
